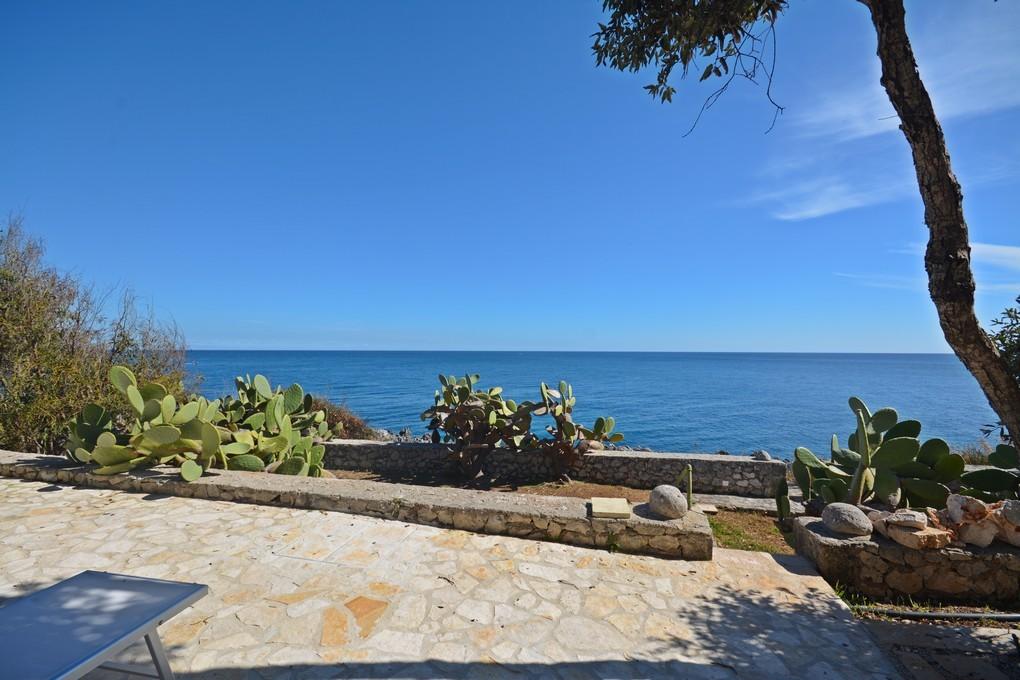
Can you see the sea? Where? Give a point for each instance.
(665, 401)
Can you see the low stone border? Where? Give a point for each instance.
(884, 569)
(713, 473)
(543, 518)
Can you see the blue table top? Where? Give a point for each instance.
(73, 626)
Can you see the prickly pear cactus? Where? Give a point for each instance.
(259, 429)
(473, 421)
(884, 460)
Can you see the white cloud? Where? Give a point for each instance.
(969, 60)
(818, 196)
(914, 283)
(1004, 257)
(840, 158)
(989, 262)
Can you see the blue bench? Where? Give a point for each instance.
(77, 625)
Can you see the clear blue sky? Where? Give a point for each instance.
(449, 175)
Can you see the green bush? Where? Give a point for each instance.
(475, 421)
(57, 347)
(259, 429)
(1007, 337)
(885, 461)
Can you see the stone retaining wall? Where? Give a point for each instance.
(713, 473)
(543, 518)
(884, 569)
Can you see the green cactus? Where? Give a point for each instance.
(884, 460)
(253, 431)
(998, 483)
(474, 421)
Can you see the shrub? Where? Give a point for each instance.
(1007, 337)
(475, 421)
(885, 461)
(57, 347)
(342, 421)
(261, 428)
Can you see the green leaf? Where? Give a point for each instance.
(152, 391)
(246, 462)
(161, 435)
(883, 419)
(913, 468)
(1004, 456)
(988, 479)
(135, 399)
(293, 466)
(931, 492)
(949, 468)
(933, 450)
(210, 441)
(190, 471)
(858, 405)
(122, 378)
(895, 452)
(113, 455)
(293, 398)
(262, 387)
(235, 448)
(836, 487)
(803, 476)
(904, 428)
(808, 459)
(886, 482)
(187, 413)
(167, 408)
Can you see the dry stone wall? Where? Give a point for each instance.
(713, 473)
(883, 569)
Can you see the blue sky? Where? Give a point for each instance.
(461, 176)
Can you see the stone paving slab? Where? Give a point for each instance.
(548, 518)
(310, 594)
(938, 652)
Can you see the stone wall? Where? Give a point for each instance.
(543, 518)
(713, 473)
(885, 570)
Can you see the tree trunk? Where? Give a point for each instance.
(947, 258)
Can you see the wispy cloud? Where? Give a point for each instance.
(960, 85)
(994, 266)
(1004, 257)
(820, 196)
(915, 283)
(840, 157)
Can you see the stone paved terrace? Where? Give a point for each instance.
(310, 594)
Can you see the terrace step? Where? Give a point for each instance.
(549, 518)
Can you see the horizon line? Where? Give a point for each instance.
(570, 351)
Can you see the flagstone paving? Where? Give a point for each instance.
(298, 593)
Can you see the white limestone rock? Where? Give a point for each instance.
(878, 521)
(908, 518)
(1008, 519)
(980, 533)
(965, 509)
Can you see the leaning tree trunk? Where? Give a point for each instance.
(947, 258)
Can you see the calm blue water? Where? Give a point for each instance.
(666, 401)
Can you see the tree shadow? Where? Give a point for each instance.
(781, 631)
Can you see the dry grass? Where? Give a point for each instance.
(754, 531)
(351, 425)
(976, 453)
